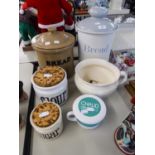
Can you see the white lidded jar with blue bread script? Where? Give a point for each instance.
(89, 111)
(96, 34)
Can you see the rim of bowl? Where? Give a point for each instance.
(96, 59)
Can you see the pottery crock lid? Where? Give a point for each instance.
(53, 40)
(97, 23)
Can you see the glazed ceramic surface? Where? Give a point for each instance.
(88, 111)
(98, 77)
(57, 93)
(52, 131)
(55, 49)
(95, 34)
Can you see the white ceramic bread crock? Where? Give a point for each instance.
(95, 34)
(98, 77)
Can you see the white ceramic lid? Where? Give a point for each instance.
(89, 109)
(97, 23)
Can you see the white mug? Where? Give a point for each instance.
(88, 111)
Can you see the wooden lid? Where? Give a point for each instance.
(53, 40)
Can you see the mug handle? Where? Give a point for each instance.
(123, 77)
(71, 116)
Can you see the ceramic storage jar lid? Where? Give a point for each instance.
(53, 40)
(97, 23)
(48, 76)
(89, 109)
(45, 114)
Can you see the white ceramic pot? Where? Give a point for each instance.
(95, 35)
(57, 93)
(51, 131)
(98, 77)
(88, 111)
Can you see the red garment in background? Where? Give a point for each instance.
(49, 12)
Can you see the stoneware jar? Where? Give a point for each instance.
(95, 34)
(55, 48)
(98, 77)
(57, 93)
(43, 113)
(88, 111)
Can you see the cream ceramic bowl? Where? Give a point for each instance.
(98, 77)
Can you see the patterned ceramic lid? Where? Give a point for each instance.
(89, 109)
(97, 23)
(48, 76)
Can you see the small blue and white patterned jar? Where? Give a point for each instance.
(88, 111)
